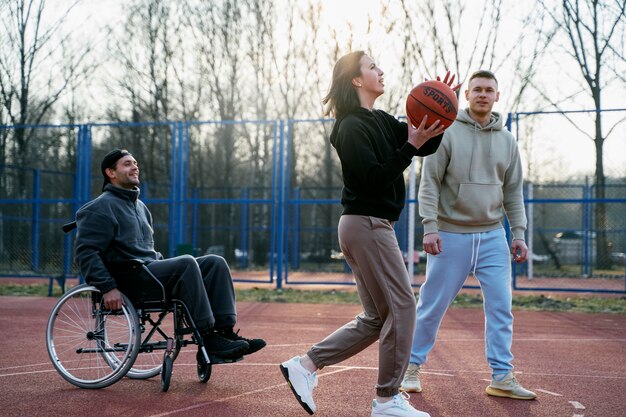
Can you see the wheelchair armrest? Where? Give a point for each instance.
(125, 265)
(136, 281)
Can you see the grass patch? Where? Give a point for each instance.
(267, 295)
(530, 302)
(550, 303)
(34, 290)
(584, 305)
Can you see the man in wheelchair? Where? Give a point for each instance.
(117, 226)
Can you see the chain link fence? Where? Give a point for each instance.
(265, 195)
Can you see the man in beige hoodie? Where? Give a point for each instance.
(466, 188)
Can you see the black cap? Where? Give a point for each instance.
(109, 161)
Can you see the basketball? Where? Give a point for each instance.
(434, 99)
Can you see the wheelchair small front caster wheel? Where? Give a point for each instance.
(204, 369)
(166, 373)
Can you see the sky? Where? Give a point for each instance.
(555, 142)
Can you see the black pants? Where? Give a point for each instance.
(204, 284)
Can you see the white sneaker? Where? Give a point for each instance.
(301, 382)
(509, 388)
(411, 381)
(398, 406)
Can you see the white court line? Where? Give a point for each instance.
(436, 373)
(515, 339)
(572, 340)
(441, 372)
(539, 340)
(193, 407)
(338, 369)
(25, 366)
(577, 405)
(544, 374)
(289, 345)
(28, 373)
(549, 392)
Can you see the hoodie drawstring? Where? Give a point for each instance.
(474, 259)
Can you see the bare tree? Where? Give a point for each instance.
(37, 63)
(462, 36)
(594, 30)
(260, 40)
(150, 82)
(302, 79)
(215, 27)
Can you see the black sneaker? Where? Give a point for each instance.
(222, 347)
(254, 344)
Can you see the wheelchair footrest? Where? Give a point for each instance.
(182, 332)
(217, 361)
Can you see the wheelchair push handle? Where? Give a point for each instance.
(68, 227)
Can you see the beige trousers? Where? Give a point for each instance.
(371, 249)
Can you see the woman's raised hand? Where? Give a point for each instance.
(448, 80)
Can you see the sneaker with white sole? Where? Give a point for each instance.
(398, 406)
(411, 381)
(301, 382)
(509, 388)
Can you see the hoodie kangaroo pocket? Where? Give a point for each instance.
(478, 203)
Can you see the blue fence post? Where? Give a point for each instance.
(274, 205)
(244, 228)
(88, 145)
(35, 219)
(280, 184)
(76, 182)
(286, 200)
(587, 226)
(82, 184)
(182, 186)
(295, 230)
(194, 217)
(507, 230)
(173, 229)
(82, 190)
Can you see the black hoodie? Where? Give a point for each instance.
(374, 152)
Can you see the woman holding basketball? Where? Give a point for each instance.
(374, 149)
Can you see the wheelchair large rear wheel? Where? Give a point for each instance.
(89, 346)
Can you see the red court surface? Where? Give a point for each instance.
(575, 362)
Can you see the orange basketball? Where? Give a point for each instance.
(434, 99)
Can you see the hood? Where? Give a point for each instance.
(359, 112)
(495, 123)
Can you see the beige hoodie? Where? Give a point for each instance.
(475, 173)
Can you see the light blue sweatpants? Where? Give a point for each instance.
(487, 255)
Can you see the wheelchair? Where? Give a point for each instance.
(93, 347)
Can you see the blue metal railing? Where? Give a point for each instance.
(285, 204)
